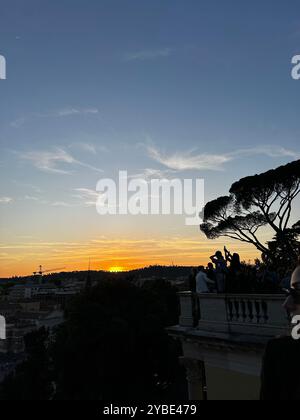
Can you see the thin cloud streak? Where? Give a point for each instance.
(192, 161)
(49, 161)
(87, 196)
(81, 197)
(188, 161)
(89, 147)
(268, 150)
(6, 200)
(67, 112)
(60, 113)
(148, 174)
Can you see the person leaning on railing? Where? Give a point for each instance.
(220, 270)
(203, 283)
(281, 367)
(192, 280)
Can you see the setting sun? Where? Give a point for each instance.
(116, 269)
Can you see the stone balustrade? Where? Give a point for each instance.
(234, 313)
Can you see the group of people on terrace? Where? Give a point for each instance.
(225, 273)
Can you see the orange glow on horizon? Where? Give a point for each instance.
(113, 255)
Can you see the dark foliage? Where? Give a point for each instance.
(32, 379)
(258, 201)
(113, 345)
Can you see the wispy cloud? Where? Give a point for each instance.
(144, 55)
(150, 173)
(89, 147)
(39, 200)
(268, 150)
(35, 199)
(188, 160)
(87, 196)
(31, 198)
(62, 204)
(191, 160)
(31, 187)
(59, 113)
(67, 112)
(6, 200)
(50, 161)
(80, 197)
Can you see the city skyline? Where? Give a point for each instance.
(159, 89)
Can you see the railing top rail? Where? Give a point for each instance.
(263, 296)
(186, 293)
(243, 296)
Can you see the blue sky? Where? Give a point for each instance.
(199, 87)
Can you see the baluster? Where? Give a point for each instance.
(237, 309)
(257, 309)
(264, 306)
(230, 309)
(244, 314)
(250, 310)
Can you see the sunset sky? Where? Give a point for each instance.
(195, 89)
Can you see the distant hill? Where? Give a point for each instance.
(161, 271)
(157, 271)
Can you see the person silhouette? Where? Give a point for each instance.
(202, 281)
(281, 378)
(221, 269)
(233, 281)
(192, 280)
(211, 274)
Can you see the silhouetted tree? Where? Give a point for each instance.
(114, 346)
(285, 248)
(258, 201)
(32, 378)
(166, 294)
